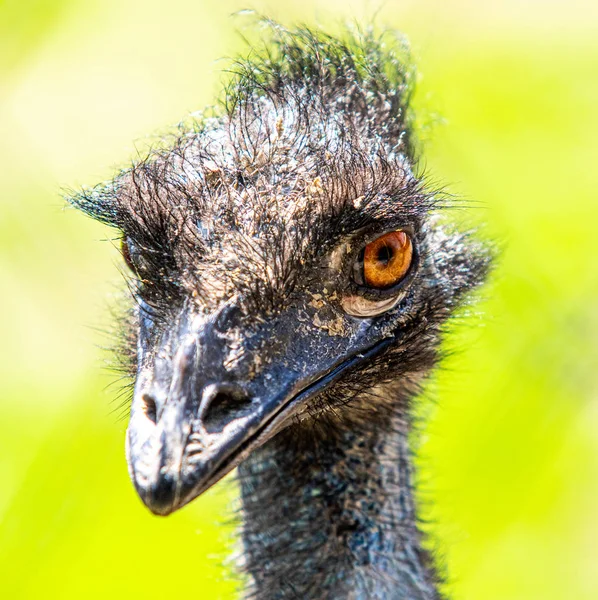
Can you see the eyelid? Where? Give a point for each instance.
(359, 306)
(367, 235)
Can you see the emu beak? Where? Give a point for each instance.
(191, 423)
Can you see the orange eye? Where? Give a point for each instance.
(385, 261)
(126, 252)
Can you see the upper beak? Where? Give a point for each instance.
(183, 440)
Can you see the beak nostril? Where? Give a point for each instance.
(149, 408)
(222, 406)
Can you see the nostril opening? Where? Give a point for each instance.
(149, 408)
(224, 407)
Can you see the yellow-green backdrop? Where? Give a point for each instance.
(509, 458)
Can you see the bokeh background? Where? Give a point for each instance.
(509, 458)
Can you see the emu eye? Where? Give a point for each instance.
(385, 261)
(126, 253)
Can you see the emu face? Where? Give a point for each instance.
(285, 262)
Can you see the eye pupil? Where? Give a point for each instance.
(385, 254)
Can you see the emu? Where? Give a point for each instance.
(291, 279)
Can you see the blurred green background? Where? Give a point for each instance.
(509, 458)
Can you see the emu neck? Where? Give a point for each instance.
(330, 515)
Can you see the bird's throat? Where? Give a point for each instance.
(329, 514)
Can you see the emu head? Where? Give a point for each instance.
(284, 260)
